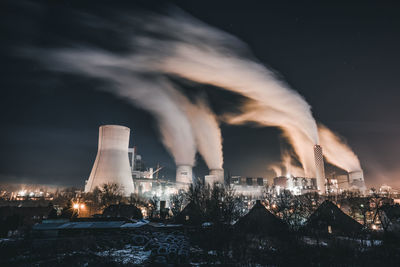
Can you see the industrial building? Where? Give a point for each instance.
(349, 181)
(297, 185)
(117, 163)
(248, 186)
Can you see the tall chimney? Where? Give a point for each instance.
(319, 169)
(112, 161)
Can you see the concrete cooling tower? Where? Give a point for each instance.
(319, 169)
(356, 180)
(215, 176)
(184, 176)
(112, 161)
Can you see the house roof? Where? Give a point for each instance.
(123, 210)
(89, 225)
(195, 216)
(328, 214)
(392, 211)
(260, 221)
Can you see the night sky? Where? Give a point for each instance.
(342, 57)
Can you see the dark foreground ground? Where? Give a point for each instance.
(198, 247)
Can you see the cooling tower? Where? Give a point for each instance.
(356, 179)
(319, 169)
(112, 161)
(219, 175)
(183, 176)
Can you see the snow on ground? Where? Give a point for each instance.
(128, 255)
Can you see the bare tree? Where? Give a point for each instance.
(218, 203)
(178, 202)
(110, 194)
(153, 204)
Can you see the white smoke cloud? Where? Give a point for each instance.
(203, 54)
(183, 46)
(277, 168)
(206, 131)
(337, 151)
(150, 93)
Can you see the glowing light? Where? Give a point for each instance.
(21, 193)
(288, 175)
(82, 206)
(374, 227)
(76, 206)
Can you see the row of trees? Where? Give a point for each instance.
(220, 204)
(216, 203)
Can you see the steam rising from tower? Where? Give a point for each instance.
(320, 169)
(112, 162)
(183, 46)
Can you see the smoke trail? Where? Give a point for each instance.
(290, 168)
(206, 131)
(185, 47)
(212, 61)
(286, 166)
(277, 169)
(337, 151)
(198, 52)
(149, 93)
(159, 97)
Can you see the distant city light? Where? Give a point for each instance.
(82, 206)
(76, 206)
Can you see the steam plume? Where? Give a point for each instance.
(150, 93)
(337, 151)
(277, 169)
(207, 133)
(183, 46)
(205, 55)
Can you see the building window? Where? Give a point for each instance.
(187, 217)
(249, 181)
(329, 229)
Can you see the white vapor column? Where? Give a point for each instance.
(112, 161)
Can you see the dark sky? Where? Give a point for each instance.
(342, 56)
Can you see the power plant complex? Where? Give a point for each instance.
(117, 163)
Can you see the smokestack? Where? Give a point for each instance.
(184, 176)
(319, 168)
(112, 161)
